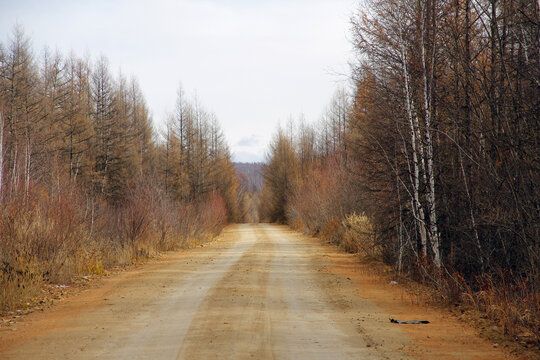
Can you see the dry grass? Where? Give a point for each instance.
(514, 307)
(358, 236)
(56, 238)
(505, 315)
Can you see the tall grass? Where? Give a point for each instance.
(513, 305)
(56, 236)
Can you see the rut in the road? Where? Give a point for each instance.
(233, 321)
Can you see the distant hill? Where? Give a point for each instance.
(251, 174)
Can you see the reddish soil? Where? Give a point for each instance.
(445, 337)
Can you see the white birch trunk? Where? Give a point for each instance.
(418, 209)
(430, 197)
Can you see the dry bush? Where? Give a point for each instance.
(55, 236)
(358, 236)
(211, 217)
(332, 231)
(324, 205)
(136, 217)
(165, 224)
(18, 282)
(39, 237)
(322, 198)
(515, 307)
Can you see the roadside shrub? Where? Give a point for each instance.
(332, 231)
(324, 204)
(34, 244)
(358, 236)
(323, 196)
(56, 236)
(514, 306)
(212, 216)
(136, 218)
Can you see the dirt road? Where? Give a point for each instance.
(260, 292)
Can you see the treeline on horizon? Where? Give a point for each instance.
(432, 163)
(86, 182)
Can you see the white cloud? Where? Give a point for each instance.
(249, 141)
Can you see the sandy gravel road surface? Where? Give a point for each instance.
(259, 292)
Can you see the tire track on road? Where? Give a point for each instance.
(234, 322)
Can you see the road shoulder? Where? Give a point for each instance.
(444, 337)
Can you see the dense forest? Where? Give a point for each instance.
(87, 183)
(432, 161)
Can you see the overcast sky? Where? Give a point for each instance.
(254, 63)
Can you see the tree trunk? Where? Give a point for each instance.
(427, 74)
(1, 155)
(418, 210)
